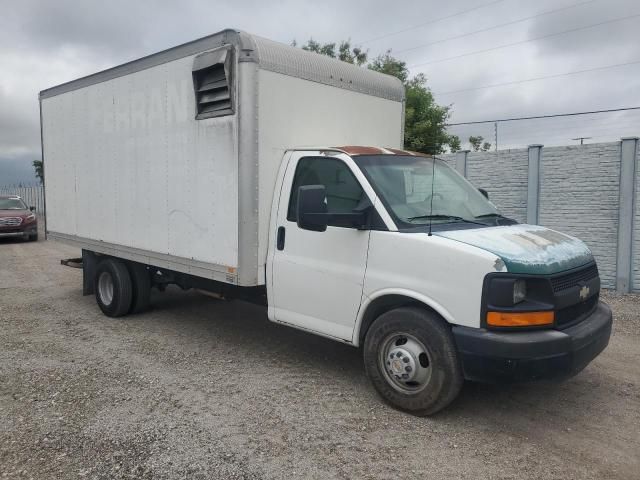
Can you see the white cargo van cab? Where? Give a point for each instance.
(374, 246)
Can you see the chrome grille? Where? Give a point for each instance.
(574, 278)
(10, 221)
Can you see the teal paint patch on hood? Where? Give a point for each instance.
(527, 248)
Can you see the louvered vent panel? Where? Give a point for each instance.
(212, 82)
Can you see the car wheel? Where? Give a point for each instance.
(112, 286)
(33, 237)
(141, 283)
(411, 359)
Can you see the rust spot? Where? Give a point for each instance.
(361, 150)
(555, 238)
(366, 150)
(499, 265)
(397, 151)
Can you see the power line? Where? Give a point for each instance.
(494, 27)
(535, 79)
(430, 22)
(543, 116)
(476, 52)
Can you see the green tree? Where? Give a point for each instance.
(425, 120)
(477, 144)
(345, 52)
(391, 66)
(454, 143)
(37, 166)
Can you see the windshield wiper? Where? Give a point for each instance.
(443, 217)
(500, 220)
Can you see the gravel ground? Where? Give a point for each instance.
(204, 389)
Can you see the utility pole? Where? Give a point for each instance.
(582, 139)
(495, 134)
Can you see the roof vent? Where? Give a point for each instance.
(212, 81)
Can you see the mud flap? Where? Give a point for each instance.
(89, 263)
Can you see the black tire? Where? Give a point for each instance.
(33, 238)
(119, 302)
(141, 282)
(445, 377)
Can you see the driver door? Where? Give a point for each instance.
(317, 277)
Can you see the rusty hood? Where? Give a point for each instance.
(528, 249)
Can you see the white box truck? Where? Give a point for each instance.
(259, 171)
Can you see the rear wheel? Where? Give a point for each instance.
(411, 359)
(113, 289)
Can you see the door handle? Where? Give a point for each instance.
(280, 239)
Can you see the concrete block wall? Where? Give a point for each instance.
(579, 195)
(636, 231)
(503, 175)
(589, 191)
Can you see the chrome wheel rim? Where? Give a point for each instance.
(105, 288)
(405, 362)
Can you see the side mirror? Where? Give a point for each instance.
(312, 208)
(33, 209)
(484, 192)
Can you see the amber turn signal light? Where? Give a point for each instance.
(519, 319)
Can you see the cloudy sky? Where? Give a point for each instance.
(468, 49)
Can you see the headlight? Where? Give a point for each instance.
(519, 291)
(29, 218)
(514, 301)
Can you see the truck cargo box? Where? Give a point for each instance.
(170, 160)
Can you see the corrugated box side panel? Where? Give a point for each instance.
(127, 163)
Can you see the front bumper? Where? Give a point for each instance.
(506, 357)
(23, 231)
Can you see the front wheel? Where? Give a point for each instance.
(411, 359)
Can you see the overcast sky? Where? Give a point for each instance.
(44, 43)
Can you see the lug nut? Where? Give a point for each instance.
(407, 369)
(405, 359)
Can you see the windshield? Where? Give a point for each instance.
(405, 185)
(12, 204)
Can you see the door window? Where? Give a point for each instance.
(344, 193)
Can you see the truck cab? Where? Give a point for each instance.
(397, 253)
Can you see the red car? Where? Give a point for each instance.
(16, 219)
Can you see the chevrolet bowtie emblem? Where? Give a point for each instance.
(584, 292)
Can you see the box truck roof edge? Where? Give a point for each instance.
(269, 54)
